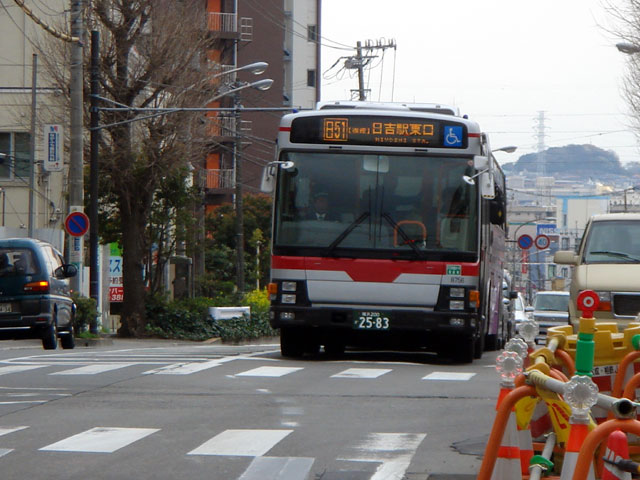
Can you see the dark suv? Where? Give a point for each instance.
(35, 299)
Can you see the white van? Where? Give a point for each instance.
(608, 262)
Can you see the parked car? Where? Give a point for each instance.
(520, 309)
(35, 297)
(608, 262)
(550, 309)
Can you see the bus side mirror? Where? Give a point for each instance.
(485, 179)
(496, 211)
(268, 179)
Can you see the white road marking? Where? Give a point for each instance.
(278, 468)
(7, 430)
(23, 401)
(100, 440)
(455, 376)
(241, 443)
(4, 451)
(183, 368)
(18, 368)
(269, 372)
(393, 451)
(93, 369)
(361, 373)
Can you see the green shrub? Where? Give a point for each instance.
(258, 300)
(189, 320)
(86, 311)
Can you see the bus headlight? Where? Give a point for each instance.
(456, 292)
(288, 286)
(456, 322)
(288, 298)
(456, 304)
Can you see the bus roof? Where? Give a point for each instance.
(415, 107)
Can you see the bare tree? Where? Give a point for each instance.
(626, 18)
(153, 54)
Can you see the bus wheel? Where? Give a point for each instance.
(480, 342)
(463, 350)
(291, 342)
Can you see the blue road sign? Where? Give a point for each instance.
(76, 224)
(452, 136)
(525, 242)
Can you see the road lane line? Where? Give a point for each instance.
(361, 373)
(277, 468)
(241, 443)
(8, 430)
(449, 376)
(18, 368)
(269, 372)
(93, 369)
(100, 440)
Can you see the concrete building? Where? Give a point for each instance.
(48, 202)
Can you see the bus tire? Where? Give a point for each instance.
(464, 350)
(479, 346)
(291, 343)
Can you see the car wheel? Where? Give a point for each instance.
(291, 343)
(50, 337)
(68, 340)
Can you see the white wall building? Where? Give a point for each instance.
(302, 53)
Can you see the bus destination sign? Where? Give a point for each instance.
(381, 131)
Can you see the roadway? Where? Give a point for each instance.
(168, 410)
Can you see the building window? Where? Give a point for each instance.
(16, 147)
(312, 33)
(311, 78)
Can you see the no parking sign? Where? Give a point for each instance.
(76, 224)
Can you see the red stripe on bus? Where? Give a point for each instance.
(372, 270)
(285, 129)
(474, 135)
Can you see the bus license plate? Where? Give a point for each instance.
(371, 320)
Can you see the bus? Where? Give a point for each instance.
(388, 231)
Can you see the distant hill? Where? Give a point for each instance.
(573, 161)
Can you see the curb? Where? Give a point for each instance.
(93, 342)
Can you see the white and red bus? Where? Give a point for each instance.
(388, 231)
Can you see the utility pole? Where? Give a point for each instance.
(32, 170)
(237, 148)
(76, 183)
(359, 61)
(94, 273)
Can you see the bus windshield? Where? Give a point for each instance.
(377, 206)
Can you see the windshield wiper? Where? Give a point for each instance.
(615, 254)
(346, 232)
(403, 234)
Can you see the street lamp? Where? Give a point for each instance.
(261, 85)
(628, 48)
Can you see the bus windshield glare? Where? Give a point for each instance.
(376, 206)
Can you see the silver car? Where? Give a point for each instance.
(550, 309)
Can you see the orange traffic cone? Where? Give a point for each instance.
(577, 434)
(526, 449)
(617, 449)
(508, 460)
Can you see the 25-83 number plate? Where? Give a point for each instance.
(371, 320)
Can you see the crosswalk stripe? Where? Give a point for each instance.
(241, 443)
(93, 369)
(269, 372)
(277, 468)
(18, 368)
(4, 451)
(361, 373)
(100, 440)
(455, 376)
(7, 430)
(183, 368)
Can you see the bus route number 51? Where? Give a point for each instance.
(371, 321)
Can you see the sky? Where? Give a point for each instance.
(500, 61)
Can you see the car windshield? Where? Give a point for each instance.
(17, 261)
(552, 303)
(613, 242)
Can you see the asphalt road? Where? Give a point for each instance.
(166, 410)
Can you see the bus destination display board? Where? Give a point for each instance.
(382, 131)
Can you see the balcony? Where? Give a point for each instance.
(224, 24)
(222, 126)
(220, 179)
